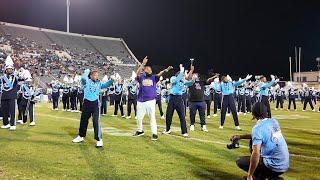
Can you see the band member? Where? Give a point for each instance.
(91, 105)
(307, 93)
(132, 98)
(159, 98)
(55, 95)
(279, 96)
(176, 102)
(264, 91)
(293, 94)
(217, 97)
(118, 103)
(26, 106)
(9, 88)
(227, 89)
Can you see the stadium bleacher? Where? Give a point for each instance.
(82, 51)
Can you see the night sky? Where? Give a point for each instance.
(228, 36)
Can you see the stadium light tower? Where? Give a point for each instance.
(68, 10)
(318, 60)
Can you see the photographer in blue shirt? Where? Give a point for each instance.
(270, 155)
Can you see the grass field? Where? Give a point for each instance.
(46, 152)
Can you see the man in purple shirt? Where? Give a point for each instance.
(147, 97)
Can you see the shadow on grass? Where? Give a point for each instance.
(202, 168)
(95, 157)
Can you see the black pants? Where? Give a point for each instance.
(292, 100)
(185, 102)
(104, 103)
(217, 102)
(279, 102)
(265, 101)
(242, 103)
(228, 102)
(130, 103)
(200, 106)
(208, 105)
(73, 102)
(111, 99)
(261, 172)
(248, 103)
(90, 108)
(23, 111)
(80, 101)
(8, 108)
(117, 104)
(176, 103)
(158, 101)
(55, 101)
(306, 101)
(66, 102)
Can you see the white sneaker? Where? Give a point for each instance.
(20, 121)
(220, 127)
(208, 117)
(228, 114)
(215, 115)
(162, 117)
(204, 128)
(78, 139)
(113, 115)
(12, 128)
(244, 114)
(185, 135)
(191, 127)
(303, 110)
(276, 109)
(123, 116)
(128, 117)
(32, 123)
(166, 132)
(5, 126)
(313, 110)
(135, 117)
(238, 128)
(99, 143)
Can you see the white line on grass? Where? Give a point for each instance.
(189, 138)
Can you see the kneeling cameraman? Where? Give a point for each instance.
(270, 156)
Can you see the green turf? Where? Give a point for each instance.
(46, 152)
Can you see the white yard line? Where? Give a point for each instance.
(116, 132)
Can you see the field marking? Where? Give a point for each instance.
(116, 132)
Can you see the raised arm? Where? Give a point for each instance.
(180, 75)
(209, 80)
(141, 66)
(190, 73)
(164, 71)
(106, 84)
(85, 77)
(238, 83)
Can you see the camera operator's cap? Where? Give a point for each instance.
(9, 63)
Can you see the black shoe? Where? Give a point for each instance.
(139, 133)
(154, 137)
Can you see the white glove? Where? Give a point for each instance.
(229, 78)
(112, 77)
(161, 78)
(277, 80)
(181, 68)
(248, 77)
(272, 77)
